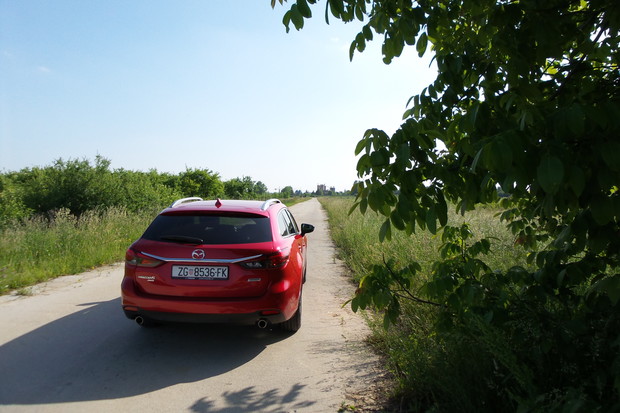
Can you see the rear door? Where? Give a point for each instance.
(289, 232)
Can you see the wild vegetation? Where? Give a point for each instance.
(74, 215)
(438, 363)
(526, 100)
(43, 247)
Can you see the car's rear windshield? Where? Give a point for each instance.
(209, 229)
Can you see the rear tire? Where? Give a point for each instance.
(294, 323)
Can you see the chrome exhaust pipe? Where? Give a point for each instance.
(262, 323)
(139, 320)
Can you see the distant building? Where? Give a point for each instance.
(321, 189)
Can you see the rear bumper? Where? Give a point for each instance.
(272, 307)
(243, 319)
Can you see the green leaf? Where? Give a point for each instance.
(475, 161)
(352, 49)
(375, 201)
(359, 13)
(431, 220)
(353, 208)
(397, 220)
(360, 146)
(609, 286)
(442, 211)
(550, 173)
(304, 9)
(360, 43)
(367, 31)
(286, 20)
(379, 158)
(385, 232)
(327, 12)
(421, 44)
(577, 180)
(363, 205)
(336, 7)
(296, 17)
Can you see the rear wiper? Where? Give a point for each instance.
(182, 238)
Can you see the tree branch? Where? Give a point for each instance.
(407, 293)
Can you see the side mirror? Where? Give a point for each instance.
(306, 229)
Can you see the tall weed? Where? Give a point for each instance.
(357, 238)
(44, 247)
(449, 372)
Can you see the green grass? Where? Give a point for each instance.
(40, 248)
(432, 372)
(357, 238)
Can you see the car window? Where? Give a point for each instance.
(283, 224)
(295, 228)
(209, 229)
(286, 224)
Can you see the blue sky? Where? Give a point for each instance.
(170, 85)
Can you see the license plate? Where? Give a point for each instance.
(199, 272)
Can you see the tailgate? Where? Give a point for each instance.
(200, 272)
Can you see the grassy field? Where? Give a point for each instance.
(39, 249)
(357, 237)
(427, 368)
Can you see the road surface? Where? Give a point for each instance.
(69, 348)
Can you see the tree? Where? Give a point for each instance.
(527, 100)
(260, 188)
(241, 188)
(200, 182)
(73, 184)
(287, 192)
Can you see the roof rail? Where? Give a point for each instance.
(185, 201)
(269, 202)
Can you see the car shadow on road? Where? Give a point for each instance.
(97, 354)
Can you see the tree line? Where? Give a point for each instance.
(82, 185)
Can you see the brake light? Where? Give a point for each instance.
(140, 260)
(276, 260)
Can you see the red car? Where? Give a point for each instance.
(218, 261)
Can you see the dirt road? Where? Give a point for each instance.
(69, 348)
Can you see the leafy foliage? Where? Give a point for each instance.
(80, 186)
(526, 100)
(11, 204)
(200, 182)
(240, 188)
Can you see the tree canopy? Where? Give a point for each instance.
(526, 102)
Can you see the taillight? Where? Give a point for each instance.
(140, 260)
(276, 260)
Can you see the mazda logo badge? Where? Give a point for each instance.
(198, 254)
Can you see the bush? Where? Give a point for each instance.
(499, 344)
(12, 207)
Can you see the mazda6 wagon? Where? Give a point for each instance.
(218, 261)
